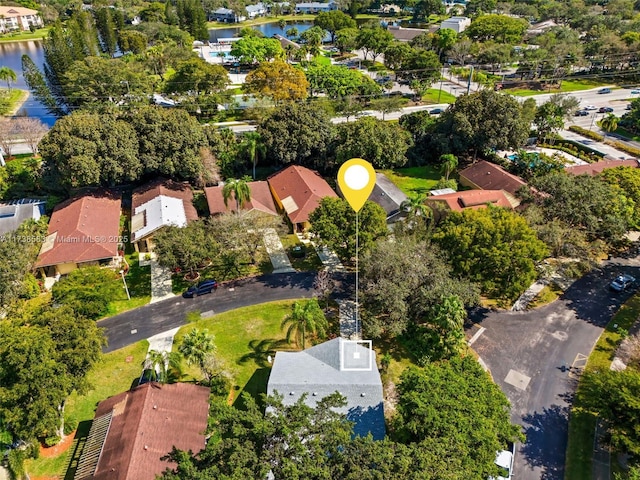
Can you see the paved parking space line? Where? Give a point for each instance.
(476, 336)
(577, 367)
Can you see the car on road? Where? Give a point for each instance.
(621, 282)
(604, 90)
(581, 113)
(635, 91)
(605, 110)
(590, 107)
(504, 461)
(436, 111)
(206, 286)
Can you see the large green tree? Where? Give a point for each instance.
(334, 221)
(298, 133)
(383, 144)
(395, 301)
(628, 179)
(333, 21)
(492, 246)
(185, 248)
(338, 81)
(599, 209)
(277, 81)
(252, 49)
(466, 432)
(501, 28)
(374, 41)
(482, 121)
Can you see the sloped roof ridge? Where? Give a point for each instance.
(139, 438)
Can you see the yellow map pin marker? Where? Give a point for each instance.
(356, 178)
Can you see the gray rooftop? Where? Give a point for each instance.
(387, 195)
(14, 212)
(318, 372)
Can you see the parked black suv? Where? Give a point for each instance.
(206, 286)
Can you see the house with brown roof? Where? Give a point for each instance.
(298, 191)
(159, 204)
(261, 200)
(133, 430)
(82, 231)
(467, 199)
(485, 175)
(598, 167)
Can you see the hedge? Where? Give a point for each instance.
(624, 147)
(586, 133)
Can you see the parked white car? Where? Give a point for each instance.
(504, 461)
(590, 107)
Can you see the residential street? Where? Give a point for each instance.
(533, 356)
(144, 322)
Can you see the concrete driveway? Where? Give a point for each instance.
(534, 357)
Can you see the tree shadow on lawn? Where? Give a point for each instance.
(73, 458)
(256, 387)
(261, 350)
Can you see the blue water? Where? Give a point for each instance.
(11, 56)
(268, 29)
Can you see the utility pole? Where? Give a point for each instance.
(470, 77)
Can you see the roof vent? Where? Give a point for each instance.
(292, 393)
(315, 394)
(146, 447)
(155, 407)
(363, 394)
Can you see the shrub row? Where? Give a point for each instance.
(586, 133)
(575, 149)
(624, 147)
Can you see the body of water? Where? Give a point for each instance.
(11, 56)
(268, 29)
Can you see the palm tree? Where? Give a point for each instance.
(166, 365)
(292, 32)
(240, 190)
(8, 75)
(196, 346)
(449, 164)
(254, 148)
(282, 23)
(415, 206)
(608, 123)
(306, 317)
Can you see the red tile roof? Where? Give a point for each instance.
(300, 191)
(146, 423)
(168, 188)
(489, 176)
(474, 199)
(598, 167)
(261, 199)
(82, 229)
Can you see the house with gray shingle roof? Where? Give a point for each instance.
(340, 366)
(14, 212)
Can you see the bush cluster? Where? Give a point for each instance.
(586, 133)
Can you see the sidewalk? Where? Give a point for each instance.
(349, 327)
(160, 282)
(279, 258)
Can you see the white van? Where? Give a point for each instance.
(504, 461)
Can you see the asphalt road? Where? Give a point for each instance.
(546, 348)
(144, 322)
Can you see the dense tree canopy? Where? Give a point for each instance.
(297, 133)
(278, 81)
(467, 433)
(381, 143)
(599, 209)
(335, 222)
(252, 49)
(402, 284)
(492, 246)
(339, 81)
(333, 21)
(482, 121)
(628, 179)
(502, 28)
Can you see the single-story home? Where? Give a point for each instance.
(261, 200)
(159, 204)
(485, 175)
(298, 191)
(285, 42)
(18, 18)
(540, 27)
(388, 196)
(133, 430)
(14, 212)
(598, 167)
(83, 230)
(337, 365)
(403, 34)
(457, 24)
(467, 199)
(316, 7)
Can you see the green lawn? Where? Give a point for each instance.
(567, 86)
(627, 134)
(548, 294)
(14, 100)
(244, 339)
(414, 180)
(310, 262)
(20, 36)
(114, 374)
(139, 283)
(434, 95)
(582, 422)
